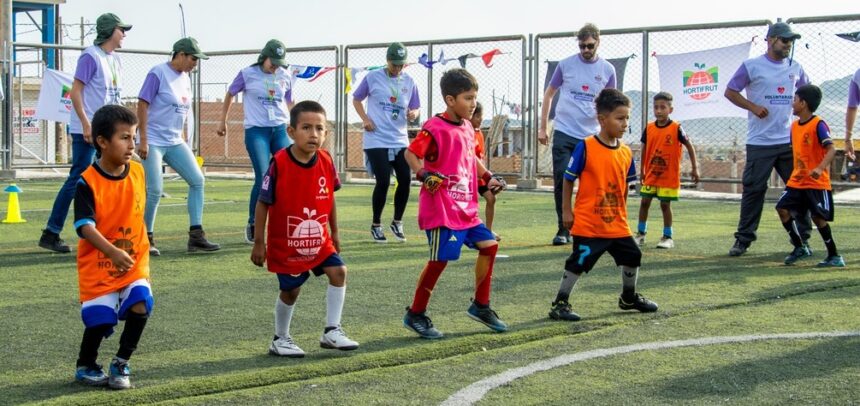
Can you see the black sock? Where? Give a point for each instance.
(90, 345)
(791, 227)
(828, 240)
(195, 227)
(131, 333)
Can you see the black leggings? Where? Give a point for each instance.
(381, 167)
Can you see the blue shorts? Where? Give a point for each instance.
(288, 282)
(445, 243)
(111, 307)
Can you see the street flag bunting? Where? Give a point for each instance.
(850, 36)
(55, 100)
(697, 81)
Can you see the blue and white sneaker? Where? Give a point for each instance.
(797, 254)
(832, 261)
(120, 375)
(487, 317)
(421, 324)
(91, 375)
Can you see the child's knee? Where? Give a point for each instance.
(665, 205)
(784, 214)
(139, 308)
(819, 222)
(336, 275)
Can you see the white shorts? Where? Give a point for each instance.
(109, 308)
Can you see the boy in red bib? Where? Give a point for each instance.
(297, 201)
(443, 158)
(808, 188)
(113, 252)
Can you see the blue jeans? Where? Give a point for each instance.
(181, 159)
(82, 157)
(262, 143)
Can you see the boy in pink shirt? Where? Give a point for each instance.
(443, 159)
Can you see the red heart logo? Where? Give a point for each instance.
(392, 99)
(584, 88)
(780, 89)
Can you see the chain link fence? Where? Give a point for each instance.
(511, 83)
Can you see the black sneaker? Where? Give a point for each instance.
(797, 254)
(397, 230)
(487, 317)
(739, 248)
(377, 234)
(421, 324)
(249, 233)
(561, 310)
(52, 241)
(153, 250)
(638, 302)
(560, 240)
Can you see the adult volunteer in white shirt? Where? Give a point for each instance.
(163, 108)
(267, 103)
(579, 78)
(770, 81)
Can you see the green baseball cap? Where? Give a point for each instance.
(189, 46)
(105, 25)
(782, 30)
(396, 54)
(274, 50)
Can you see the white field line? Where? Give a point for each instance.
(476, 391)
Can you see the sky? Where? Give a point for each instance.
(228, 24)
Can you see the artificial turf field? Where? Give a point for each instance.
(207, 339)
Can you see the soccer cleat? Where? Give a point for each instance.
(91, 375)
(487, 317)
(120, 375)
(739, 248)
(336, 339)
(832, 261)
(640, 239)
(52, 241)
(666, 243)
(397, 230)
(377, 234)
(249, 233)
(637, 302)
(560, 240)
(197, 242)
(421, 324)
(285, 347)
(561, 310)
(153, 251)
(797, 254)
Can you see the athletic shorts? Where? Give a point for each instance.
(114, 306)
(483, 189)
(586, 252)
(663, 194)
(819, 202)
(288, 282)
(445, 243)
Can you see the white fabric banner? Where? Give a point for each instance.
(697, 81)
(55, 101)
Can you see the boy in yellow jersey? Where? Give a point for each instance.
(808, 188)
(113, 253)
(598, 220)
(661, 167)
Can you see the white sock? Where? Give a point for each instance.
(334, 304)
(283, 316)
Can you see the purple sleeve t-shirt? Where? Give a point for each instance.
(150, 88)
(854, 90)
(86, 68)
(238, 86)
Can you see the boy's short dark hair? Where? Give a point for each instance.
(666, 96)
(306, 106)
(811, 94)
(609, 99)
(479, 108)
(588, 30)
(105, 120)
(456, 81)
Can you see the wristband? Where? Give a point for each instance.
(421, 174)
(487, 176)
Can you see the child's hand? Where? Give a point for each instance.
(816, 173)
(695, 175)
(567, 219)
(432, 180)
(258, 254)
(121, 260)
(497, 184)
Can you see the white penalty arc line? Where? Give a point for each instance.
(476, 391)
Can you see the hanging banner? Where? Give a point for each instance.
(55, 100)
(697, 81)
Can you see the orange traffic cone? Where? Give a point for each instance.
(13, 210)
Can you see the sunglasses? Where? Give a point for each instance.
(787, 40)
(194, 58)
(588, 46)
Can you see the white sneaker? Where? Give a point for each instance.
(640, 239)
(666, 243)
(285, 347)
(336, 339)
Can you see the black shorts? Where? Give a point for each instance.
(586, 252)
(819, 202)
(483, 189)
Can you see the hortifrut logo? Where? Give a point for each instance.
(66, 97)
(700, 83)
